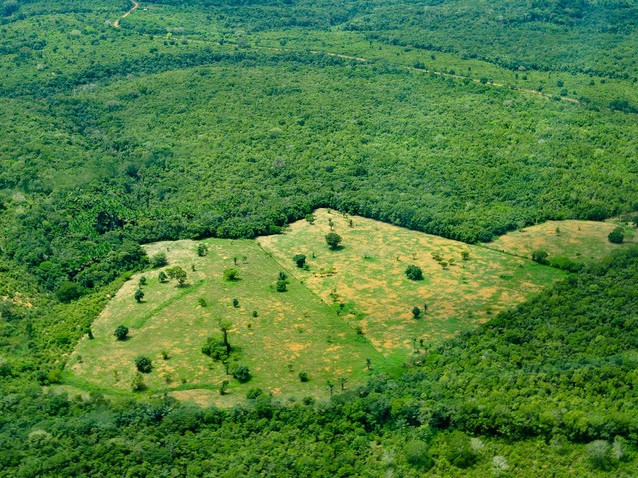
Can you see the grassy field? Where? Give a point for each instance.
(577, 240)
(365, 279)
(294, 331)
(349, 305)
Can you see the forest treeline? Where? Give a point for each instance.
(558, 372)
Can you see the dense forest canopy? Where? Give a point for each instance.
(211, 118)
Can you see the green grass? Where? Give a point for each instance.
(294, 330)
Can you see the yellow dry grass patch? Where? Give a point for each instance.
(577, 240)
(366, 278)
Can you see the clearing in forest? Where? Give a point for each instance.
(348, 311)
(293, 331)
(365, 281)
(580, 241)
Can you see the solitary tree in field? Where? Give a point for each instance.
(617, 236)
(121, 332)
(224, 326)
(202, 250)
(414, 272)
(142, 280)
(139, 295)
(333, 240)
(223, 387)
(416, 312)
(342, 382)
(162, 277)
(300, 260)
(143, 364)
(231, 274)
(465, 255)
(159, 260)
(235, 303)
(368, 364)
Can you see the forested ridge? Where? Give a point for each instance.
(231, 119)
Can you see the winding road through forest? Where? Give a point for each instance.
(133, 8)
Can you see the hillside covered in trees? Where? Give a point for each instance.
(193, 119)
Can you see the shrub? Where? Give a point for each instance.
(300, 260)
(142, 280)
(139, 295)
(159, 260)
(235, 303)
(254, 393)
(281, 286)
(202, 250)
(540, 256)
(69, 291)
(333, 240)
(231, 274)
(162, 277)
(215, 349)
(121, 332)
(417, 455)
(303, 376)
(241, 373)
(617, 236)
(416, 312)
(137, 383)
(414, 272)
(143, 364)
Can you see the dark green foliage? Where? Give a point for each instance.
(235, 303)
(299, 260)
(565, 263)
(202, 250)
(139, 295)
(281, 286)
(69, 291)
(416, 312)
(617, 236)
(143, 364)
(215, 349)
(142, 281)
(414, 272)
(333, 240)
(540, 256)
(241, 373)
(121, 332)
(162, 277)
(303, 376)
